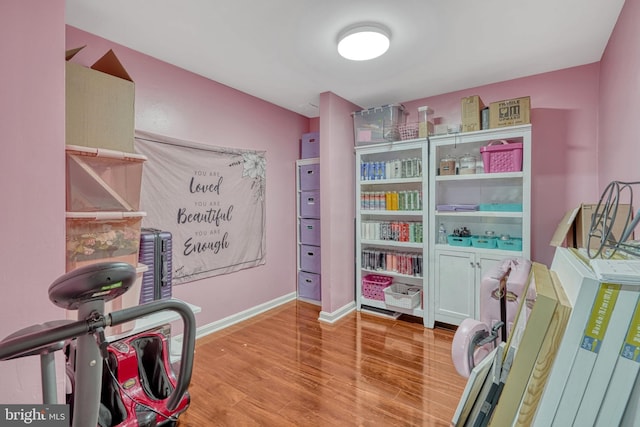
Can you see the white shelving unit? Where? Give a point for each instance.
(456, 271)
(374, 218)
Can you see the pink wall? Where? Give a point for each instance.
(174, 102)
(618, 146)
(564, 118)
(31, 178)
(171, 101)
(314, 124)
(337, 194)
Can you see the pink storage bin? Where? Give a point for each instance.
(502, 156)
(408, 131)
(373, 286)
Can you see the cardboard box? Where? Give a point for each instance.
(471, 113)
(576, 224)
(99, 104)
(510, 112)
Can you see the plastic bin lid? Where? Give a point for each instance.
(376, 109)
(105, 215)
(429, 110)
(104, 152)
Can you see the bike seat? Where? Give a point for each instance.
(105, 280)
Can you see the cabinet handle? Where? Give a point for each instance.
(478, 264)
(471, 264)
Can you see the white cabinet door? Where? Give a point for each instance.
(484, 261)
(455, 290)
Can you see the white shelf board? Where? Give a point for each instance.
(480, 176)
(378, 212)
(391, 181)
(414, 245)
(483, 214)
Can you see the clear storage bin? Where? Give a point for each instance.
(101, 180)
(94, 237)
(379, 124)
(467, 164)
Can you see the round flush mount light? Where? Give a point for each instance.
(363, 41)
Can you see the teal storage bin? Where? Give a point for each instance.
(513, 244)
(458, 240)
(501, 207)
(484, 242)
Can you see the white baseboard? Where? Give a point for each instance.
(202, 331)
(338, 314)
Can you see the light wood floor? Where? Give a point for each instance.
(286, 368)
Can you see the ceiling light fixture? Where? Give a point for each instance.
(363, 41)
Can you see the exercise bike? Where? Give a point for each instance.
(126, 397)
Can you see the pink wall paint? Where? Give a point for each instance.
(314, 124)
(618, 146)
(32, 172)
(183, 105)
(173, 102)
(564, 118)
(337, 194)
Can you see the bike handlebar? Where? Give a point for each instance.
(188, 342)
(21, 345)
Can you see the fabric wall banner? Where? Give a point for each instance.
(211, 199)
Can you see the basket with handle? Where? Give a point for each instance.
(502, 156)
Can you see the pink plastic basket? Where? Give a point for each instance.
(502, 156)
(408, 131)
(373, 286)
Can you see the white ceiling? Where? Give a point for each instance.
(284, 51)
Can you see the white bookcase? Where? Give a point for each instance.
(390, 234)
(504, 200)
